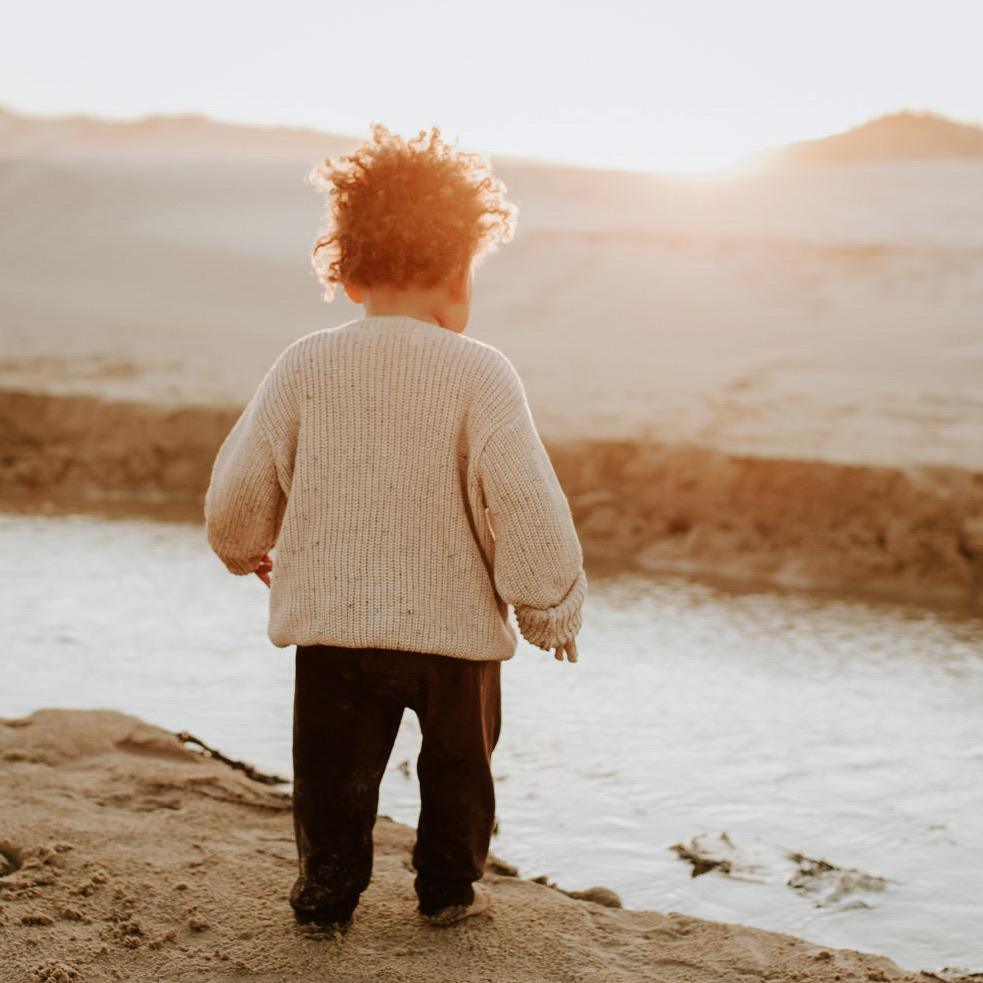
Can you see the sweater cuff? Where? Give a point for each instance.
(546, 628)
(233, 558)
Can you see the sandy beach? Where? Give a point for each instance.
(766, 378)
(126, 855)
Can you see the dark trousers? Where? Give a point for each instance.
(348, 704)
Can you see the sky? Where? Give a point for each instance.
(692, 85)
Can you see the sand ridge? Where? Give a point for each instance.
(126, 856)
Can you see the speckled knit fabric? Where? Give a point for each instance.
(396, 466)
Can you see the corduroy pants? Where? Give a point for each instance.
(348, 704)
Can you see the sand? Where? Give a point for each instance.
(125, 855)
(771, 376)
(819, 312)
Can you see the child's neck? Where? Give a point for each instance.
(401, 308)
(445, 304)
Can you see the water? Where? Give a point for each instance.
(843, 730)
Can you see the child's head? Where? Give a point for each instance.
(407, 219)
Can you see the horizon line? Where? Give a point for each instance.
(178, 114)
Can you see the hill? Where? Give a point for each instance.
(900, 136)
(174, 135)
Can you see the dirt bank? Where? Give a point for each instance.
(125, 856)
(907, 533)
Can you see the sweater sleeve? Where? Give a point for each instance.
(538, 561)
(244, 502)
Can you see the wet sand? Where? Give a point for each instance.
(125, 855)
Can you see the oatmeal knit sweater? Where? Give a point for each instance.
(396, 467)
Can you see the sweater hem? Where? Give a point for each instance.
(294, 639)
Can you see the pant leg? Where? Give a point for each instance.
(460, 717)
(343, 733)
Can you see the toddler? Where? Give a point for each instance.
(394, 463)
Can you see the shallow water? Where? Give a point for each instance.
(844, 730)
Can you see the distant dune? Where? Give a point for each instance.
(906, 135)
(899, 136)
(183, 135)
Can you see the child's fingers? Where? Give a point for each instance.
(264, 568)
(568, 649)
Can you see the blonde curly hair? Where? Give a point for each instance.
(407, 213)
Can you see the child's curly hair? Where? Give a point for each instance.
(407, 213)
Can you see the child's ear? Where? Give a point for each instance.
(353, 293)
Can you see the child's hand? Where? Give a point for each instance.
(264, 569)
(568, 648)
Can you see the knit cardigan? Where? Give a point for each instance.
(395, 466)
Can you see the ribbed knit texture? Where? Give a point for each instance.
(396, 466)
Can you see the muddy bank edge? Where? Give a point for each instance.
(912, 534)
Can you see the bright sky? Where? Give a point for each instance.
(689, 85)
